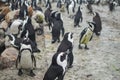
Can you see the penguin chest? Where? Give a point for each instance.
(26, 60)
(86, 37)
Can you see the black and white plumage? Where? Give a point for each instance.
(23, 10)
(71, 8)
(29, 32)
(58, 67)
(57, 26)
(47, 14)
(86, 35)
(112, 5)
(78, 17)
(48, 4)
(14, 27)
(98, 27)
(67, 45)
(26, 59)
(89, 7)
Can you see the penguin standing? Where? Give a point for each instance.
(98, 27)
(57, 27)
(71, 8)
(25, 59)
(78, 17)
(112, 5)
(67, 45)
(48, 4)
(58, 67)
(86, 35)
(89, 7)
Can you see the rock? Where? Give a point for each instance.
(8, 58)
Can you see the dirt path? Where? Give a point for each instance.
(101, 62)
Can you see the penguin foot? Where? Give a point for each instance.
(79, 26)
(36, 50)
(53, 41)
(20, 72)
(80, 47)
(58, 41)
(32, 74)
(86, 48)
(70, 66)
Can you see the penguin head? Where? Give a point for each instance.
(26, 44)
(58, 16)
(69, 37)
(92, 25)
(95, 14)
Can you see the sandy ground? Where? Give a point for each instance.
(100, 62)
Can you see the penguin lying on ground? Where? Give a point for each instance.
(56, 28)
(78, 17)
(26, 59)
(86, 35)
(58, 67)
(98, 27)
(67, 45)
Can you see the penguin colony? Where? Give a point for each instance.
(22, 27)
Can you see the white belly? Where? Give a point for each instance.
(26, 61)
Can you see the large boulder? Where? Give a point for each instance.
(8, 58)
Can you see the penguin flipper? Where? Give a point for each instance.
(82, 33)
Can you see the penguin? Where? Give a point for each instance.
(112, 5)
(67, 45)
(33, 3)
(78, 17)
(26, 58)
(23, 11)
(56, 28)
(86, 35)
(71, 8)
(59, 5)
(89, 7)
(29, 32)
(48, 4)
(58, 67)
(98, 2)
(98, 27)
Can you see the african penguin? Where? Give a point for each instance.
(67, 45)
(112, 5)
(14, 27)
(48, 4)
(25, 59)
(71, 8)
(98, 27)
(29, 30)
(89, 7)
(23, 11)
(78, 17)
(86, 35)
(56, 28)
(58, 67)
